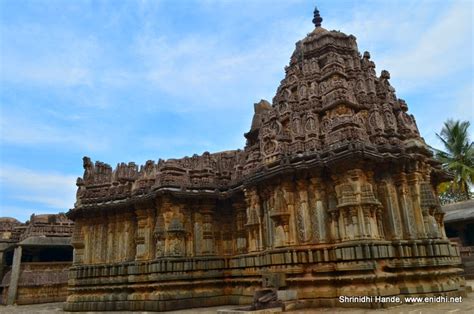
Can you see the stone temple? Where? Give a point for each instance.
(332, 195)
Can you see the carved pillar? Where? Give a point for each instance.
(333, 213)
(357, 205)
(439, 216)
(303, 218)
(91, 248)
(241, 236)
(197, 231)
(267, 205)
(413, 180)
(226, 236)
(188, 229)
(119, 238)
(379, 218)
(98, 240)
(290, 227)
(77, 242)
(343, 224)
(111, 237)
(430, 207)
(103, 237)
(175, 233)
(334, 225)
(253, 219)
(371, 223)
(409, 223)
(371, 207)
(207, 212)
(94, 239)
(15, 275)
(317, 204)
(128, 236)
(87, 244)
(366, 217)
(390, 203)
(346, 199)
(281, 217)
(159, 234)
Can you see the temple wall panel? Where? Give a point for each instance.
(78, 242)
(413, 180)
(319, 219)
(388, 197)
(41, 282)
(144, 233)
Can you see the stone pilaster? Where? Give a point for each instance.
(241, 236)
(111, 239)
(413, 180)
(291, 226)
(77, 242)
(390, 203)
(303, 217)
(253, 223)
(128, 237)
(317, 197)
(144, 242)
(409, 223)
(207, 213)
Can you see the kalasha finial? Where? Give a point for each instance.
(317, 18)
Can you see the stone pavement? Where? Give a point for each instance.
(467, 306)
(57, 308)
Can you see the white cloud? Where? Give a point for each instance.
(441, 50)
(54, 190)
(213, 69)
(418, 46)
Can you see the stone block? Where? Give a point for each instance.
(287, 295)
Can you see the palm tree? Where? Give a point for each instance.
(458, 157)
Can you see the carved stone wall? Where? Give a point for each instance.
(40, 283)
(334, 189)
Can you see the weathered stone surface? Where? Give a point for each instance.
(334, 189)
(287, 295)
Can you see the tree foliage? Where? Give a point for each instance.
(457, 158)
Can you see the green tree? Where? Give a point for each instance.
(457, 158)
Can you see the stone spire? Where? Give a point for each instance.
(317, 18)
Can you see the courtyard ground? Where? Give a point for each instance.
(467, 306)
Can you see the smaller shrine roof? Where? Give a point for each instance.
(461, 211)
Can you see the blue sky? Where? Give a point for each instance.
(138, 80)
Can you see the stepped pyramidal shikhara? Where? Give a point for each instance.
(333, 195)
